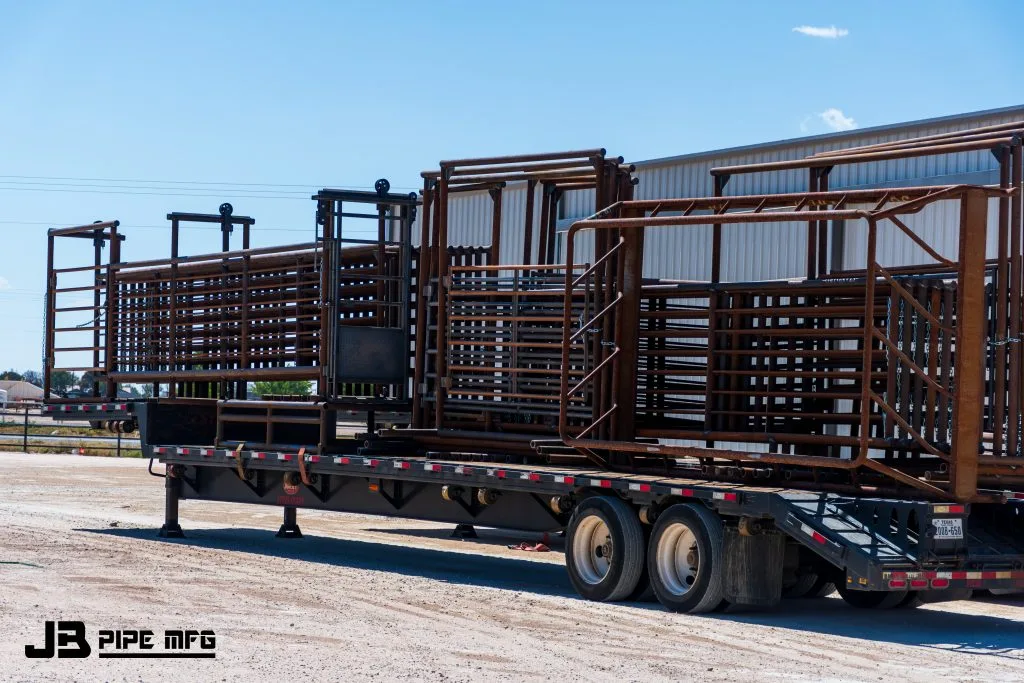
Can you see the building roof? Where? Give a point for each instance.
(838, 137)
(21, 391)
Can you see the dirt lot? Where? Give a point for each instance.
(364, 597)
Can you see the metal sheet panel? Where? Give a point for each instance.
(764, 252)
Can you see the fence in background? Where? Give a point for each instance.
(20, 431)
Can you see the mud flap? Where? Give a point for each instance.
(753, 567)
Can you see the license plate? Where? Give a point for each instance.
(949, 529)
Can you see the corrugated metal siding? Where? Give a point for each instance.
(751, 252)
(470, 217)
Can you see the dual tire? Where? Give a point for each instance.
(605, 555)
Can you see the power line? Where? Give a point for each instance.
(347, 186)
(149, 194)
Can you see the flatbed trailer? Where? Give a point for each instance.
(705, 442)
(743, 539)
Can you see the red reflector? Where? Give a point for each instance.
(569, 480)
(345, 461)
(606, 483)
(816, 536)
(314, 458)
(897, 583)
(500, 474)
(645, 488)
(919, 583)
(956, 509)
(402, 465)
(733, 497)
(940, 583)
(534, 476)
(686, 493)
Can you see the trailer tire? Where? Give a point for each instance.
(810, 585)
(871, 599)
(823, 588)
(685, 559)
(603, 526)
(913, 600)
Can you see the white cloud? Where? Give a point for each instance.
(4, 283)
(830, 32)
(837, 120)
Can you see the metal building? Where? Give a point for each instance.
(763, 251)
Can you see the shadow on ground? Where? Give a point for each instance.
(932, 628)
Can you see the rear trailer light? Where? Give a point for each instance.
(897, 583)
(940, 583)
(918, 584)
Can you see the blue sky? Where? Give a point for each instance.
(99, 99)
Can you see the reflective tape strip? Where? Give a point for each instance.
(562, 479)
(462, 469)
(284, 456)
(401, 465)
(719, 495)
(208, 452)
(182, 451)
(370, 462)
(500, 474)
(258, 455)
(312, 458)
(643, 488)
(431, 467)
(812, 533)
(603, 483)
(686, 493)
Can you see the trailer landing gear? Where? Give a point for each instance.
(464, 531)
(172, 492)
(290, 528)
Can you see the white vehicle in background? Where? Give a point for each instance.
(3, 405)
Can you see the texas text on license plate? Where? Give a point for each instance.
(949, 528)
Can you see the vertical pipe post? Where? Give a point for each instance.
(422, 313)
(868, 340)
(542, 242)
(441, 356)
(1002, 292)
(970, 344)
(495, 193)
(716, 235)
(49, 360)
(1016, 371)
(110, 354)
(531, 186)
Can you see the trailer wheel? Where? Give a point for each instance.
(810, 585)
(912, 600)
(871, 599)
(685, 559)
(604, 552)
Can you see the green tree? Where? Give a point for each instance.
(61, 381)
(288, 388)
(11, 375)
(33, 377)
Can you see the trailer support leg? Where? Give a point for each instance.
(172, 493)
(290, 528)
(464, 531)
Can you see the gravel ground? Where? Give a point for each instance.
(373, 598)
